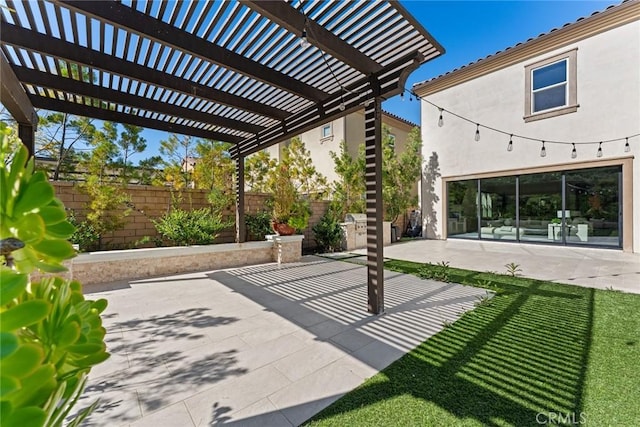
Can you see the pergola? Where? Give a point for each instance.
(234, 71)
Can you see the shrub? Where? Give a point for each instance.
(328, 234)
(51, 336)
(258, 225)
(85, 235)
(193, 227)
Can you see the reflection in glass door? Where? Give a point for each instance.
(593, 206)
(540, 202)
(498, 208)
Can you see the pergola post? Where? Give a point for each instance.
(373, 179)
(240, 225)
(27, 135)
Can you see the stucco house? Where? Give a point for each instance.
(539, 143)
(322, 140)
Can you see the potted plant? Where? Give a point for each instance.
(289, 211)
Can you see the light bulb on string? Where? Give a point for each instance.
(599, 153)
(510, 145)
(440, 119)
(477, 138)
(304, 42)
(627, 147)
(574, 152)
(402, 96)
(543, 151)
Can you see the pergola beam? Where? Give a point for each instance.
(18, 104)
(295, 22)
(37, 42)
(120, 117)
(69, 85)
(140, 23)
(390, 80)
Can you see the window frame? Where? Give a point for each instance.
(571, 105)
(326, 126)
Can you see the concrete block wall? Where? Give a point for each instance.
(151, 202)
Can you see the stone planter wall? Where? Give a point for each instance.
(103, 267)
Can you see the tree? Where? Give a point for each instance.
(214, 171)
(129, 143)
(57, 135)
(306, 178)
(256, 170)
(176, 152)
(400, 173)
(348, 191)
(103, 186)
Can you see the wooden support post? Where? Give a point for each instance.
(27, 135)
(373, 178)
(240, 225)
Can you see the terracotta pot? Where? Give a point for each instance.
(282, 228)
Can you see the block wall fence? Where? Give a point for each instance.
(151, 202)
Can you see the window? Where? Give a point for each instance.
(326, 131)
(392, 140)
(551, 87)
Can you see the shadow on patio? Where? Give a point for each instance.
(274, 345)
(522, 355)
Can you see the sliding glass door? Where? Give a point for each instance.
(580, 207)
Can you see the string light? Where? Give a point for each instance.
(440, 120)
(543, 151)
(304, 42)
(574, 152)
(402, 96)
(627, 146)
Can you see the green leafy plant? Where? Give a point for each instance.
(513, 269)
(85, 234)
(328, 234)
(50, 335)
(190, 227)
(258, 225)
(439, 272)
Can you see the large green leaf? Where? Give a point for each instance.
(61, 230)
(8, 344)
(33, 196)
(57, 249)
(86, 349)
(94, 359)
(12, 284)
(24, 361)
(36, 387)
(68, 334)
(30, 228)
(52, 214)
(8, 385)
(31, 416)
(100, 305)
(24, 314)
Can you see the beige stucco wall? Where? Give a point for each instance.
(608, 94)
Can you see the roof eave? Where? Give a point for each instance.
(597, 23)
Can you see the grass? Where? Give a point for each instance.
(535, 350)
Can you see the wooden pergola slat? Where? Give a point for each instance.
(132, 20)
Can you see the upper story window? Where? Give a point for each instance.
(551, 87)
(326, 131)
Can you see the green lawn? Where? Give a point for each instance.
(537, 349)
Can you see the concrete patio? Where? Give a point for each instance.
(590, 267)
(261, 345)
